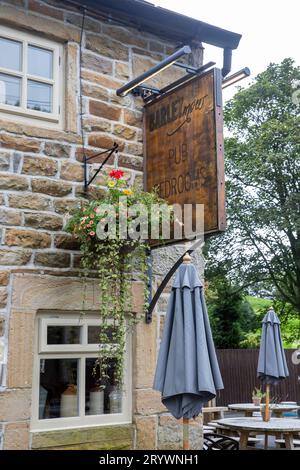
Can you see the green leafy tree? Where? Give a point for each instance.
(261, 247)
(225, 312)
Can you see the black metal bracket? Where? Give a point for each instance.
(152, 93)
(166, 279)
(87, 180)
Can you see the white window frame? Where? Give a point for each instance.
(20, 113)
(81, 352)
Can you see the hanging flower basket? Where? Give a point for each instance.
(112, 252)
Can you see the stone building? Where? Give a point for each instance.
(58, 81)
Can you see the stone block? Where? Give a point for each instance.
(124, 132)
(89, 23)
(27, 238)
(103, 80)
(19, 143)
(16, 436)
(43, 221)
(65, 205)
(13, 182)
(57, 150)
(122, 70)
(2, 327)
(94, 91)
(4, 278)
(39, 166)
(128, 161)
(51, 187)
(46, 10)
(107, 47)
(3, 297)
(66, 242)
(4, 161)
(104, 141)
(133, 118)
(14, 258)
(145, 347)
(95, 125)
(29, 201)
(72, 87)
(96, 64)
(134, 148)
(71, 171)
(146, 432)
(15, 404)
(10, 217)
(33, 292)
(125, 36)
(43, 25)
(106, 437)
(53, 259)
(97, 108)
(40, 132)
(20, 356)
(148, 402)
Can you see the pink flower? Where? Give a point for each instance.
(92, 216)
(92, 234)
(84, 209)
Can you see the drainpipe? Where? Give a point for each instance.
(227, 56)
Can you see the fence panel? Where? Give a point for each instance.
(238, 369)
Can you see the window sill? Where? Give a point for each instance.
(111, 437)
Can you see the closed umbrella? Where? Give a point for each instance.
(187, 371)
(272, 366)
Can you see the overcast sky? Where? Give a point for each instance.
(270, 29)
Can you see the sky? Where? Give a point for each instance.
(270, 30)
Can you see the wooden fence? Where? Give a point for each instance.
(238, 369)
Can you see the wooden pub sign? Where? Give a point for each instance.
(185, 149)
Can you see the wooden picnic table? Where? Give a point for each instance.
(276, 426)
(249, 408)
(213, 412)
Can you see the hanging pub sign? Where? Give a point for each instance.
(184, 148)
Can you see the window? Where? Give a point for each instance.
(66, 388)
(30, 77)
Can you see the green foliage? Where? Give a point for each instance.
(116, 261)
(288, 316)
(225, 306)
(257, 392)
(261, 248)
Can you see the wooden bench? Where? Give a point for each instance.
(281, 443)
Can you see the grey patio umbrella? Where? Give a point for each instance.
(187, 371)
(272, 366)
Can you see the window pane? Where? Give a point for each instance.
(39, 96)
(10, 90)
(94, 333)
(40, 62)
(63, 334)
(58, 397)
(101, 396)
(10, 54)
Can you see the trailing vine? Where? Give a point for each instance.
(116, 261)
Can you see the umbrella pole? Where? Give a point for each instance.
(267, 403)
(186, 443)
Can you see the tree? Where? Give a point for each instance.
(261, 246)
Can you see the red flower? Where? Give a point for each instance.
(117, 174)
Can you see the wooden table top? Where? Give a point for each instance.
(257, 424)
(251, 407)
(214, 409)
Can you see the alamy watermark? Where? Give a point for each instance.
(138, 222)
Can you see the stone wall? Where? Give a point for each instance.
(41, 180)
